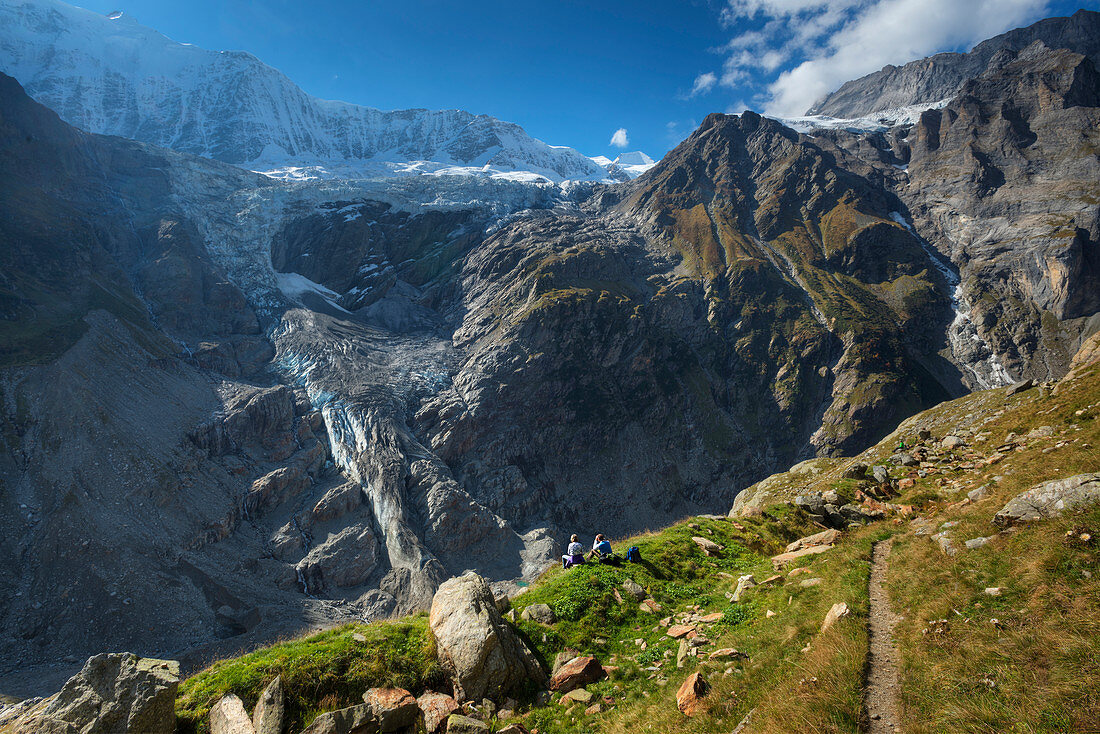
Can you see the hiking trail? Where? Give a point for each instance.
(880, 700)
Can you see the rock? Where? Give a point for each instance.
(709, 546)
(904, 459)
(436, 707)
(513, 729)
(744, 583)
(228, 716)
(993, 591)
(593, 709)
(825, 537)
(855, 471)
(689, 697)
(1019, 387)
(394, 708)
(634, 589)
(881, 474)
(924, 434)
(810, 583)
(769, 614)
(1050, 499)
(576, 673)
(677, 631)
(119, 692)
(727, 653)
(269, 715)
(682, 653)
(813, 503)
(976, 495)
(838, 611)
(650, 606)
(945, 543)
(832, 497)
(906, 483)
(351, 720)
(577, 695)
(712, 617)
(785, 559)
(458, 724)
(951, 442)
(541, 613)
(975, 543)
(479, 651)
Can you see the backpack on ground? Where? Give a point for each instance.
(634, 555)
(610, 560)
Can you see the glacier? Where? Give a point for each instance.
(109, 74)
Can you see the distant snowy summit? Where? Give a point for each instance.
(630, 165)
(109, 74)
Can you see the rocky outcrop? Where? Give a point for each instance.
(940, 77)
(270, 713)
(119, 692)
(482, 655)
(228, 716)
(1050, 499)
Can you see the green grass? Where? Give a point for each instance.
(321, 672)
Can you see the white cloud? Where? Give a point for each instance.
(840, 40)
(619, 138)
(704, 83)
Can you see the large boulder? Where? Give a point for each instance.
(689, 699)
(119, 692)
(1051, 499)
(482, 654)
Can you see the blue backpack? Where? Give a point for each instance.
(634, 555)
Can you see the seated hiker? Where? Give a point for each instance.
(574, 554)
(601, 548)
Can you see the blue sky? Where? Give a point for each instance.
(573, 73)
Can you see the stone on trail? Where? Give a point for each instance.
(577, 673)
(395, 708)
(436, 707)
(1051, 499)
(634, 589)
(270, 713)
(119, 692)
(458, 724)
(479, 651)
(689, 699)
(229, 717)
(351, 720)
(838, 611)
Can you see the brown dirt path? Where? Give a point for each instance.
(880, 699)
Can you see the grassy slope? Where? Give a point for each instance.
(1036, 669)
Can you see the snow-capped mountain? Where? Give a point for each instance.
(111, 75)
(626, 165)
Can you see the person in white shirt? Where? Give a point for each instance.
(574, 553)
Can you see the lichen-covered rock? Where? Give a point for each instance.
(1051, 499)
(577, 673)
(481, 653)
(436, 707)
(541, 613)
(229, 717)
(457, 724)
(356, 719)
(270, 713)
(395, 708)
(119, 692)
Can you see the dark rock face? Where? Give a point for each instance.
(942, 76)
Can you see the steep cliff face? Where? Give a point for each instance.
(1003, 182)
(941, 77)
